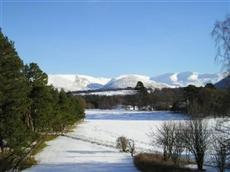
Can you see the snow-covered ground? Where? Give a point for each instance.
(110, 93)
(91, 145)
(66, 154)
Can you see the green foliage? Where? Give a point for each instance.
(68, 110)
(35, 75)
(140, 86)
(14, 103)
(28, 106)
(42, 108)
(196, 101)
(51, 110)
(207, 101)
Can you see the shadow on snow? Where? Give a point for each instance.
(152, 116)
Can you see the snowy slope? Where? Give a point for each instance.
(83, 82)
(76, 82)
(125, 81)
(187, 78)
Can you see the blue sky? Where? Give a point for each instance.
(109, 38)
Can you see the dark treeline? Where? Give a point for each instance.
(196, 101)
(28, 106)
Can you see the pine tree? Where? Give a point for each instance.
(37, 79)
(44, 108)
(28, 106)
(14, 104)
(35, 76)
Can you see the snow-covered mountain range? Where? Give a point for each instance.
(83, 82)
(125, 81)
(77, 82)
(187, 78)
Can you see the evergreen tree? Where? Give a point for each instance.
(42, 108)
(35, 75)
(14, 104)
(139, 86)
(37, 80)
(28, 106)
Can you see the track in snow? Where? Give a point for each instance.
(82, 151)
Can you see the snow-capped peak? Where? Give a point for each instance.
(84, 82)
(76, 82)
(173, 77)
(142, 77)
(183, 79)
(131, 80)
(193, 77)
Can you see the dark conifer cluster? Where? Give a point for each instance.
(28, 106)
(192, 100)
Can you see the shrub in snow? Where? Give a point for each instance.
(192, 135)
(196, 138)
(221, 153)
(122, 144)
(168, 137)
(131, 147)
(125, 145)
(221, 145)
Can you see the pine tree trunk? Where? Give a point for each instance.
(29, 121)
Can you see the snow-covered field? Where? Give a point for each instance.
(67, 154)
(110, 93)
(91, 145)
(107, 125)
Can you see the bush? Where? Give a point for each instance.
(221, 146)
(147, 162)
(122, 144)
(131, 147)
(192, 135)
(196, 138)
(168, 137)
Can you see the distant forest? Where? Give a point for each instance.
(196, 101)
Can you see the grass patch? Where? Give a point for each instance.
(30, 161)
(147, 162)
(71, 128)
(7, 162)
(42, 144)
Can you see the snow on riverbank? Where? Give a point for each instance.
(91, 145)
(70, 155)
(107, 125)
